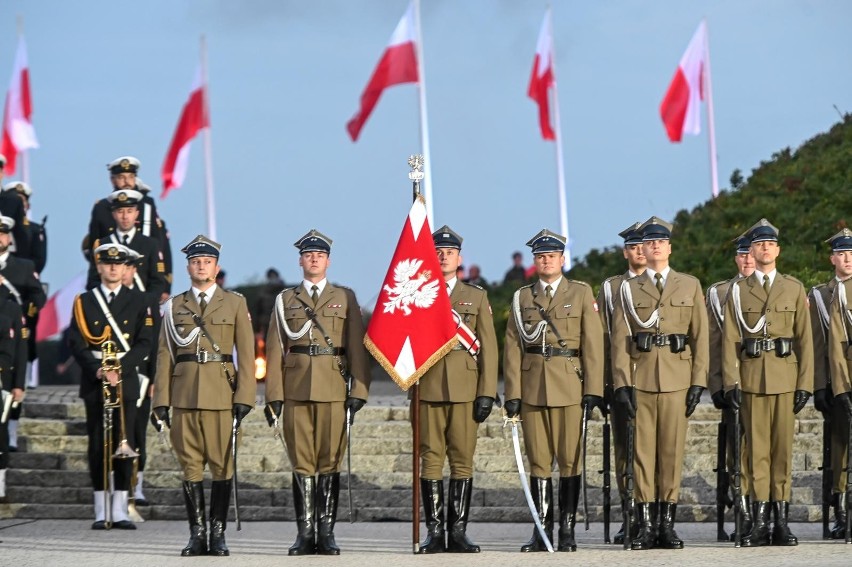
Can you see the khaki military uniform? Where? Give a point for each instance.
(551, 388)
(311, 387)
(820, 320)
(660, 377)
(839, 358)
(607, 297)
(717, 294)
(768, 382)
(201, 393)
(450, 386)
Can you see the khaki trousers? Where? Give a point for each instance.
(769, 421)
(660, 438)
(447, 431)
(203, 436)
(553, 432)
(315, 433)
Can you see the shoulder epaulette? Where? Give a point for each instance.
(612, 278)
(479, 287)
(234, 292)
(581, 283)
(792, 279)
(819, 287)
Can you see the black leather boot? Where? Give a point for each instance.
(193, 495)
(667, 536)
(647, 535)
(220, 499)
(432, 494)
(458, 515)
(304, 495)
(746, 521)
(781, 534)
(569, 496)
(328, 489)
(838, 530)
(542, 495)
(618, 538)
(759, 534)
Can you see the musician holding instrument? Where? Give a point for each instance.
(209, 389)
(110, 335)
(317, 374)
(553, 368)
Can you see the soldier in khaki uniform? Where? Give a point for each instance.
(196, 376)
(456, 394)
(607, 296)
(659, 366)
(767, 370)
(717, 294)
(317, 372)
(820, 299)
(553, 369)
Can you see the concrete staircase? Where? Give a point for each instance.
(48, 476)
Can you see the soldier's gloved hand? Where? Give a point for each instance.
(822, 402)
(693, 396)
(590, 402)
(353, 405)
(158, 415)
(624, 398)
(846, 400)
(482, 408)
(513, 408)
(734, 398)
(272, 411)
(719, 400)
(800, 398)
(240, 411)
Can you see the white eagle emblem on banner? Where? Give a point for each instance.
(410, 290)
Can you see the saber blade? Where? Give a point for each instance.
(349, 461)
(522, 473)
(234, 430)
(585, 476)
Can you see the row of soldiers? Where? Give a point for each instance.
(23, 255)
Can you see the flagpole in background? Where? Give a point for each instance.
(25, 161)
(560, 161)
(416, 176)
(424, 120)
(711, 123)
(208, 147)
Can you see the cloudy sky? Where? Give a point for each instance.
(109, 79)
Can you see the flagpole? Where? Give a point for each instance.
(711, 123)
(415, 426)
(24, 154)
(560, 163)
(208, 146)
(424, 121)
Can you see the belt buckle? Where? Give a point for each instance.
(768, 344)
(202, 356)
(659, 340)
(547, 351)
(312, 349)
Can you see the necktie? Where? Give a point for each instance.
(314, 294)
(124, 239)
(548, 293)
(766, 284)
(659, 278)
(111, 296)
(202, 301)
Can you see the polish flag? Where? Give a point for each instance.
(542, 78)
(193, 119)
(398, 65)
(18, 132)
(681, 107)
(412, 325)
(55, 316)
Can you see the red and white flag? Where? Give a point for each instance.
(543, 78)
(398, 65)
(18, 132)
(681, 107)
(412, 325)
(193, 119)
(55, 316)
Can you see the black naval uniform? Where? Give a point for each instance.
(131, 312)
(12, 206)
(150, 270)
(13, 362)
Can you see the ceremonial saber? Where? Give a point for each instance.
(585, 476)
(523, 474)
(234, 431)
(349, 417)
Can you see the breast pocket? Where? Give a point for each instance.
(336, 314)
(682, 306)
(787, 316)
(567, 322)
(468, 315)
(222, 329)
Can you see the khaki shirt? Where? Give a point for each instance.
(457, 377)
(301, 377)
(555, 382)
(681, 311)
(192, 385)
(787, 315)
